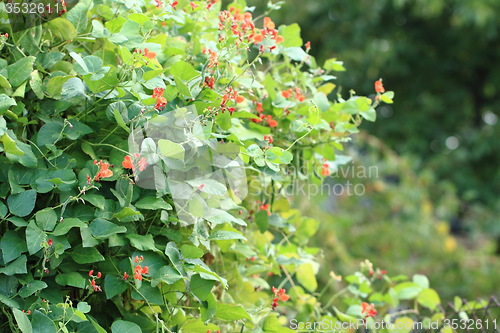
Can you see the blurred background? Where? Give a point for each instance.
(434, 207)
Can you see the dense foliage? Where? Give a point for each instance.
(127, 129)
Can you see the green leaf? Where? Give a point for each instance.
(86, 255)
(191, 252)
(83, 307)
(421, 280)
(152, 294)
(182, 88)
(73, 279)
(142, 242)
(429, 298)
(34, 237)
(46, 219)
(4, 82)
(401, 322)
(52, 58)
(166, 274)
(333, 64)
(10, 146)
(9, 302)
(306, 277)
(262, 221)
(12, 246)
(36, 84)
(31, 287)
(120, 121)
(114, 285)
(121, 326)
(183, 70)
(101, 228)
(200, 287)
(208, 308)
(153, 203)
(22, 321)
(55, 84)
(95, 199)
(78, 17)
(344, 317)
(230, 312)
(197, 326)
(5, 103)
(291, 34)
(22, 204)
(226, 235)
(210, 186)
(42, 324)
(175, 257)
(127, 214)
(196, 207)
(62, 28)
(20, 71)
(171, 149)
(50, 133)
(18, 266)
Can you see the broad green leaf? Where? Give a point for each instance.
(4, 82)
(52, 58)
(429, 298)
(230, 312)
(191, 252)
(42, 324)
(12, 246)
(34, 237)
(175, 257)
(306, 277)
(153, 203)
(62, 28)
(86, 255)
(73, 279)
(120, 121)
(182, 88)
(166, 274)
(20, 71)
(152, 294)
(5, 103)
(291, 34)
(83, 307)
(127, 214)
(9, 302)
(114, 285)
(208, 308)
(50, 133)
(226, 235)
(142, 242)
(95, 199)
(18, 266)
(200, 287)
(183, 70)
(31, 287)
(171, 149)
(22, 321)
(197, 326)
(77, 16)
(22, 204)
(46, 219)
(210, 186)
(333, 64)
(421, 280)
(10, 146)
(101, 228)
(36, 84)
(55, 84)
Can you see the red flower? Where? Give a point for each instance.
(174, 4)
(98, 275)
(142, 164)
(50, 242)
(201, 187)
(125, 276)
(145, 270)
(127, 162)
(104, 172)
(136, 259)
(325, 171)
(268, 23)
(160, 100)
(287, 93)
(92, 283)
(259, 107)
(88, 180)
(368, 309)
(240, 99)
(150, 55)
(90, 273)
(379, 87)
(284, 297)
(158, 3)
(193, 5)
(271, 121)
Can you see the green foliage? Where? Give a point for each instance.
(98, 233)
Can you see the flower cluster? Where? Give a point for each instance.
(129, 164)
(279, 295)
(270, 121)
(158, 4)
(368, 310)
(325, 170)
(148, 54)
(233, 18)
(92, 282)
(264, 207)
(289, 93)
(139, 270)
(160, 100)
(212, 60)
(209, 82)
(104, 171)
(268, 30)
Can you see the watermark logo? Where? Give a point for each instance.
(205, 175)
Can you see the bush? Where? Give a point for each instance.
(147, 150)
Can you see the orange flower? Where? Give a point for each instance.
(240, 99)
(326, 170)
(368, 309)
(258, 39)
(259, 107)
(142, 164)
(261, 118)
(379, 87)
(160, 100)
(149, 55)
(104, 172)
(125, 276)
(279, 39)
(271, 121)
(287, 93)
(127, 162)
(284, 297)
(145, 270)
(268, 23)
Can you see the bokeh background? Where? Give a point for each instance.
(434, 207)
